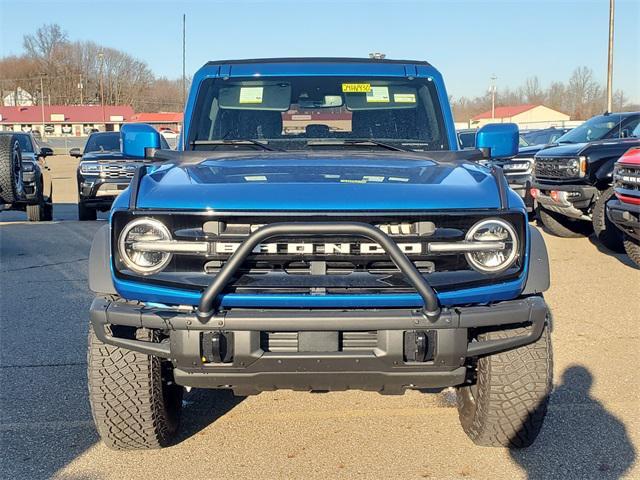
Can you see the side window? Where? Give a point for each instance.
(631, 128)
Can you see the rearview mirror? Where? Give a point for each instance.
(75, 152)
(498, 140)
(139, 140)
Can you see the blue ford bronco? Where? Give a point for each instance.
(317, 229)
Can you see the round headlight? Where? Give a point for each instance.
(493, 260)
(143, 262)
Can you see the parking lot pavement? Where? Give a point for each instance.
(592, 430)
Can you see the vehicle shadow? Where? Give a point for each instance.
(621, 257)
(62, 212)
(580, 438)
(203, 407)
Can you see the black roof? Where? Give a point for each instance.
(316, 60)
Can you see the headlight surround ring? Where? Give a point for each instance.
(126, 256)
(512, 249)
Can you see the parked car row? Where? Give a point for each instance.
(568, 181)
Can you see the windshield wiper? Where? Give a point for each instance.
(244, 141)
(347, 143)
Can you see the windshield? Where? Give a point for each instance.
(25, 143)
(596, 128)
(103, 142)
(293, 113)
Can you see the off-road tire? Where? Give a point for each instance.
(561, 226)
(36, 212)
(86, 213)
(133, 407)
(508, 403)
(606, 232)
(632, 247)
(11, 188)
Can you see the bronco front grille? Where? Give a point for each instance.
(555, 168)
(319, 265)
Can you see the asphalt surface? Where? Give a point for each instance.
(592, 429)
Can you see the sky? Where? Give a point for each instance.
(467, 40)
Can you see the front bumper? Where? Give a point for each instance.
(572, 201)
(252, 367)
(100, 191)
(625, 216)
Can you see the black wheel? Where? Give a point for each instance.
(632, 247)
(507, 404)
(11, 188)
(608, 234)
(86, 213)
(134, 403)
(562, 226)
(48, 210)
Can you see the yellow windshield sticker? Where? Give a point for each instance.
(251, 94)
(404, 97)
(356, 87)
(378, 95)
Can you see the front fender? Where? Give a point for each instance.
(538, 277)
(100, 280)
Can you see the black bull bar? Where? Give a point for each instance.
(207, 306)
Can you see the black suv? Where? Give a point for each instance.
(103, 172)
(25, 181)
(572, 179)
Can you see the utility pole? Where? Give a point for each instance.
(610, 59)
(101, 56)
(492, 89)
(184, 55)
(42, 100)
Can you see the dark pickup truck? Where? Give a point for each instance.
(103, 172)
(572, 179)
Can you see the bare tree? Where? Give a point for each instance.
(532, 91)
(43, 44)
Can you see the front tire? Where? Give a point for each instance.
(607, 233)
(508, 403)
(11, 187)
(561, 226)
(134, 404)
(632, 247)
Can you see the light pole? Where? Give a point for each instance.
(492, 89)
(80, 87)
(42, 100)
(184, 53)
(610, 58)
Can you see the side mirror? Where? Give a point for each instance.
(498, 140)
(46, 151)
(75, 152)
(139, 140)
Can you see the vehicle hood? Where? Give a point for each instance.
(530, 150)
(102, 156)
(314, 181)
(563, 150)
